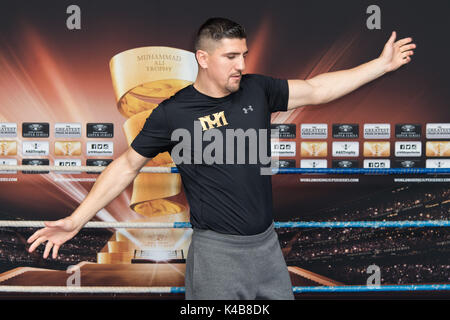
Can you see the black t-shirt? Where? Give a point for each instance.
(227, 198)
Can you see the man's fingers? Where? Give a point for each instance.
(48, 247)
(55, 251)
(406, 56)
(403, 41)
(392, 37)
(36, 243)
(407, 47)
(407, 53)
(36, 235)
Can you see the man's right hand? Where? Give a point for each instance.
(55, 233)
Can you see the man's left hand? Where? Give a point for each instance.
(397, 53)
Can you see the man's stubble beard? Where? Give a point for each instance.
(233, 88)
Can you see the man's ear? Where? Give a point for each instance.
(202, 58)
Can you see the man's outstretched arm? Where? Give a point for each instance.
(111, 182)
(332, 85)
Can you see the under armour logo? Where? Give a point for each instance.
(246, 110)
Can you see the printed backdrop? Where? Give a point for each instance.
(53, 78)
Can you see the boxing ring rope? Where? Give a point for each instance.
(275, 170)
(162, 290)
(298, 224)
(301, 224)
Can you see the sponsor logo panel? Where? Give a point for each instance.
(97, 163)
(313, 163)
(437, 148)
(377, 149)
(408, 148)
(313, 149)
(437, 163)
(438, 130)
(67, 130)
(67, 148)
(409, 163)
(345, 149)
(35, 162)
(8, 162)
(35, 148)
(314, 131)
(283, 148)
(8, 148)
(100, 130)
(8, 130)
(345, 164)
(377, 131)
(68, 163)
(377, 163)
(285, 163)
(345, 131)
(408, 131)
(285, 130)
(35, 130)
(102, 148)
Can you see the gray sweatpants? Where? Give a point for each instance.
(231, 267)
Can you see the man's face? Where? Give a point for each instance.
(227, 63)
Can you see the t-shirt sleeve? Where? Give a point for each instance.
(277, 92)
(154, 137)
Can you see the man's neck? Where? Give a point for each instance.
(208, 88)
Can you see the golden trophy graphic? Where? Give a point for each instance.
(438, 149)
(313, 149)
(8, 148)
(142, 78)
(67, 148)
(377, 149)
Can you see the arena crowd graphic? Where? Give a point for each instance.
(76, 97)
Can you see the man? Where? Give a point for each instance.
(234, 252)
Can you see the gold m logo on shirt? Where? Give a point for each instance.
(207, 123)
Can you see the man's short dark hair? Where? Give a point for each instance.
(216, 29)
